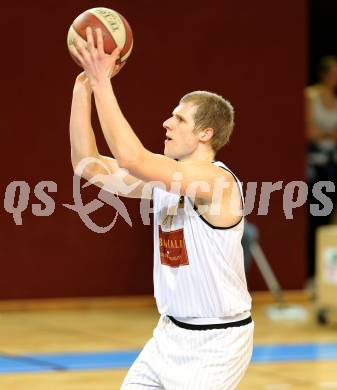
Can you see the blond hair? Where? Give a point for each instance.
(215, 112)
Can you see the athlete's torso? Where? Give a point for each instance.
(198, 268)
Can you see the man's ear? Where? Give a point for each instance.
(206, 134)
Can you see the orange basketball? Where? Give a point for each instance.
(115, 29)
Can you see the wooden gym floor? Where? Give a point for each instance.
(289, 354)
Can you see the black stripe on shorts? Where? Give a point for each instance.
(226, 325)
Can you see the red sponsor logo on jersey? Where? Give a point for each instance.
(172, 248)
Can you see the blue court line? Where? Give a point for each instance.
(294, 352)
(66, 361)
(124, 359)
(11, 364)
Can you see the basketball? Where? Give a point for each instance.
(115, 29)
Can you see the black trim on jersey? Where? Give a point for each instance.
(208, 223)
(225, 325)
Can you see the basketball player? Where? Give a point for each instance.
(204, 337)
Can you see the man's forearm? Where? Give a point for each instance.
(82, 138)
(122, 141)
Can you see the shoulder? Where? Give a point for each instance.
(226, 171)
(208, 170)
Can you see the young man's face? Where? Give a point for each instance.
(181, 141)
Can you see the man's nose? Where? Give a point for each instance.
(167, 124)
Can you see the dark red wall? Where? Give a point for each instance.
(254, 53)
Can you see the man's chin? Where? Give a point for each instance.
(170, 154)
(167, 154)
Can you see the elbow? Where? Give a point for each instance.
(88, 172)
(131, 161)
(85, 167)
(79, 170)
(76, 164)
(126, 162)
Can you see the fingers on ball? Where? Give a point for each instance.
(90, 38)
(100, 43)
(74, 50)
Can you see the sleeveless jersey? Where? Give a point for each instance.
(198, 268)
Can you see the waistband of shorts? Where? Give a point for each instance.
(226, 325)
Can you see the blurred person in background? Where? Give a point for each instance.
(321, 130)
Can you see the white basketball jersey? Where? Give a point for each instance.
(198, 268)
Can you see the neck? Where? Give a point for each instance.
(199, 155)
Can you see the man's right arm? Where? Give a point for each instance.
(101, 171)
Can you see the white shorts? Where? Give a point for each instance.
(181, 359)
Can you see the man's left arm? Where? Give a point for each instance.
(179, 177)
